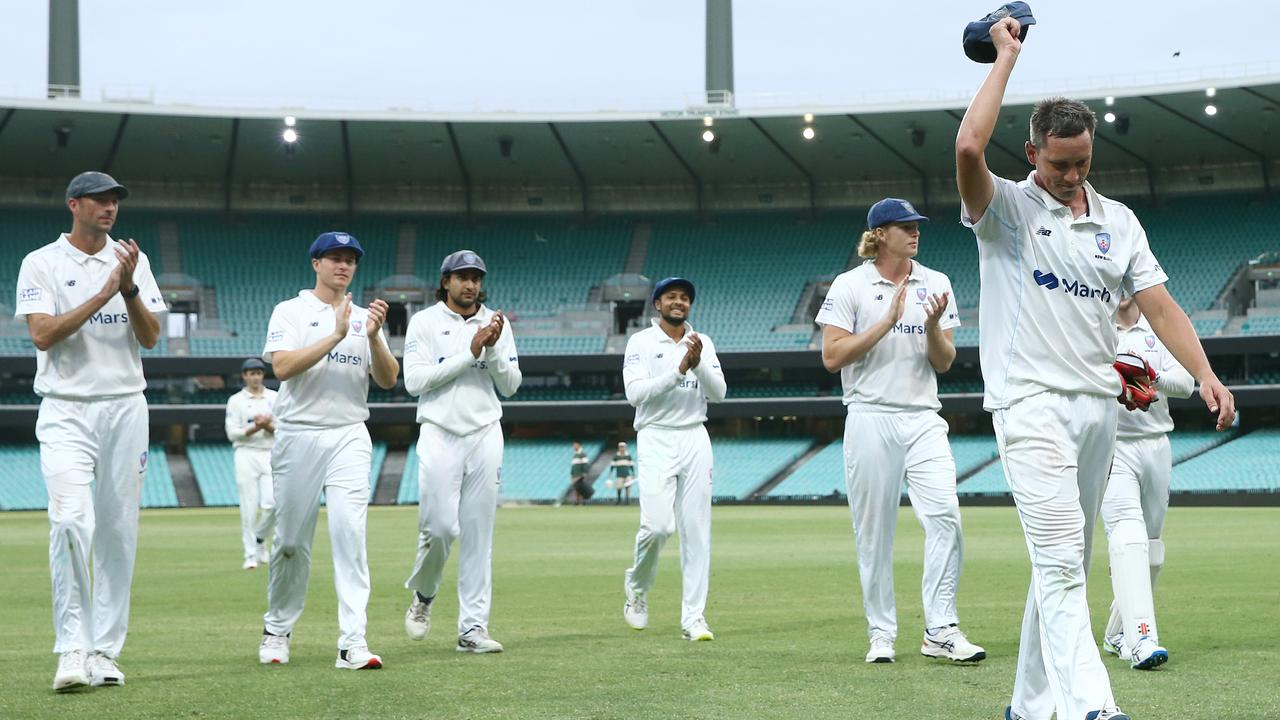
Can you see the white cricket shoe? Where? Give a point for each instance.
(881, 650)
(1147, 655)
(274, 649)
(358, 658)
(72, 673)
(262, 555)
(636, 609)
(477, 640)
(1111, 714)
(951, 644)
(417, 619)
(103, 670)
(698, 631)
(1114, 645)
(250, 563)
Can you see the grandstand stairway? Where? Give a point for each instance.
(184, 481)
(170, 248)
(639, 250)
(599, 467)
(407, 249)
(388, 488)
(783, 474)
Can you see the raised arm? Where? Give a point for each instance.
(288, 363)
(972, 176)
(709, 373)
(503, 363)
(384, 367)
(640, 386)
(841, 347)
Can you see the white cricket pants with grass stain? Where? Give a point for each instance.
(675, 494)
(1056, 450)
(93, 455)
(305, 462)
(257, 497)
(1133, 512)
(882, 447)
(458, 481)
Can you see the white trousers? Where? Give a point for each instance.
(257, 497)
(93, 455)
(1133, 512)
(458, 481)
(1056, 450)
(880, 450)
(304, 463)
(675, 492)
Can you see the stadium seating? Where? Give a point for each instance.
(532, 470)
(214, 468)
(823, 474)
(1246, 464)
(22, 484)
(742, 465)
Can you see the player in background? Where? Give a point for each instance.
(456, 354)
(670, 373)
(887, 329)
(324, 348)
(578, 466)
(1137, 498)
(1053, 256)
(251, 428)
(623, 470)
(91, 304)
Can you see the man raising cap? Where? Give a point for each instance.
(91, 304)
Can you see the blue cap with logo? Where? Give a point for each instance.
(977, 35)
(462, 260)
(668, 283)
(336, 241)
(252, 364)
(891, 210)
(93, 182)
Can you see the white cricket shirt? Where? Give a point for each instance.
(102, 359)
(896, 372)
(1172, 380)
(662, 396)
(335, 391)
(1050, 285)
(241, 409)
(455, 389)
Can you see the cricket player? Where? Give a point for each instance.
(887, 329)
(324, 348)
(578, 466)
(670, 373)
(1053, 257)
(251, 428)
(456, 354)
(91, 302)
(1137, 498)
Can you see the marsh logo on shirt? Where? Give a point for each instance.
(102, 318)
(344, 358)
(71, 283)
(1050, 281)
(30, 294)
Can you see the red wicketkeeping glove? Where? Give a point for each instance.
(1139, 382)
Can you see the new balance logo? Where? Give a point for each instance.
(1046, 232)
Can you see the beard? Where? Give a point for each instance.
(461, 301)
(676, 321)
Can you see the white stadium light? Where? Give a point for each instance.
(708, 136)
(808, 118)
(1109, 117)
(807, 133)
(1210, 110)
(290, 121)
(706, 121)
(1111, 100)
(290, 135)
(1210, 92)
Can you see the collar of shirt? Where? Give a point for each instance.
(311, 301)
(104, 255)
(916, 276)
(475, 317)
(664, 337)
(1093, 213)
(1140, 326)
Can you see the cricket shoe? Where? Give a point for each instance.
(262, 555)
(951, 644)
(1114, 645)
(417, 619)
(250, 564)
(1112, 714)
(698, 631)
(477, 640)
(72, 673)
(636, 610)
(1009, 714)
(1147, 655)
(274, 649)
(881, 650)
(358, 658)
(103, 670)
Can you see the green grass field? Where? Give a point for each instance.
(784, 605)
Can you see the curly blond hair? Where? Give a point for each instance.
(869, 245)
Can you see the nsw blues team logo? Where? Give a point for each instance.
(1104, 242)
(922, 293)
(1151, 341)
(142, 461)
(356, 325)
(342, 238)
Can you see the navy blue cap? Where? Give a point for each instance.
(891, 210)
(668, 283)
(252, 364)
(336, 241)
(92, 182)
(977, 35)
(462, 260)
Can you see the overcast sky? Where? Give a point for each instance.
(572, 55)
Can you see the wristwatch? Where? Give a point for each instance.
(131, 294)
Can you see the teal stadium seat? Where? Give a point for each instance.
(821, 476)
(1245, 464)
(742, 465)
(214, 467)
(22, 484)
(532, 470)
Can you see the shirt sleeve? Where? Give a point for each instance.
(951, 316)
(1144, 270)
(1000, 220)
(709, 373)
(282, 332)
(148, 288)
(235, 429)
(640, 387)
(1171, 378)
(840, 307)
(504, 364)
(423, 371)
(36, 290)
